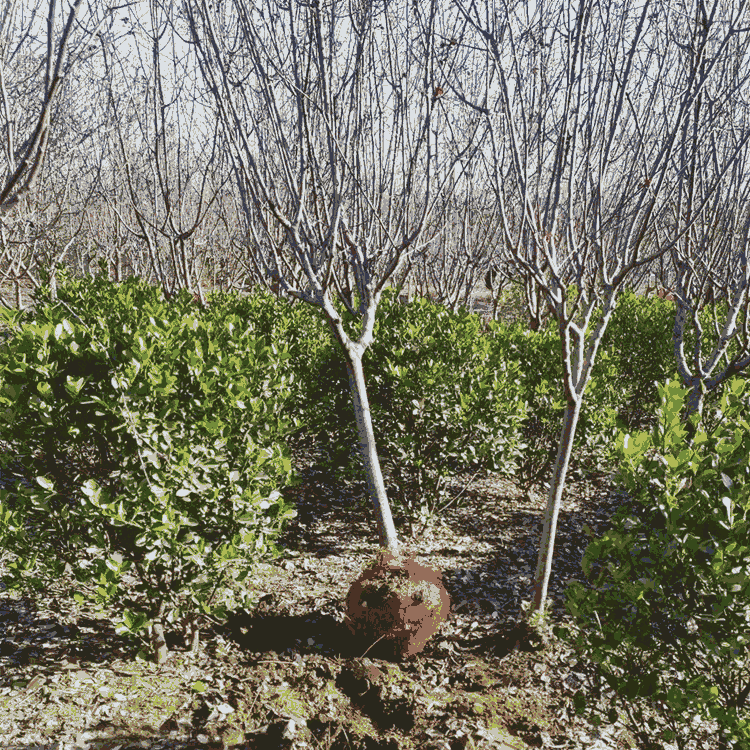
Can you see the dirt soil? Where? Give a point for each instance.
(289, 674)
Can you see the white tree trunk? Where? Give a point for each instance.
(554, 501)
(373, 473)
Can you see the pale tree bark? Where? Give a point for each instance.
(167, 152)
(27, 129)
(342, 145)
(590, 110)
(709, 260)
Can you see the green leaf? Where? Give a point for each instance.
(45, 483)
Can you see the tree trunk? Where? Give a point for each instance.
(158, 641)
(373, 474)
(194, 636)
(696, 398)
(554, 500)
(495, 305)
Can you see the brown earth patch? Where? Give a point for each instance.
(290, 675)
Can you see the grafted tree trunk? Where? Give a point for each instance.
(368, 450)
(554, 501)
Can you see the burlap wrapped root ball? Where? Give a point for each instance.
(396, 605)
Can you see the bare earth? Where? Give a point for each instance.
(288, 676)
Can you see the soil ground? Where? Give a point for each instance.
(288, 675)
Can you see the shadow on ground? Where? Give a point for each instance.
(280, 633)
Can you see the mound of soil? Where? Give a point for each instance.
(396, 605)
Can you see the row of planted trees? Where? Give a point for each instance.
(330, 150)
(155, 499)
(586, 126)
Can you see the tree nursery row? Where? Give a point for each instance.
(152, 440)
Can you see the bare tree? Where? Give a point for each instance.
(502, 275)
(592, 113)
(167, 151)
(342, 145)
(709, 260)
(25, 71)
(464, 236)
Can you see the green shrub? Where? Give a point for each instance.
(666, 619)
(148, 442)
(439, 405)
(536, 355)
(639, 338)
(298, 328)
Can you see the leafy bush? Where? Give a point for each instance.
(666, 621)
(536, 355)
(639, 338)
(439, 404)
(147, 441)
(298, 327)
